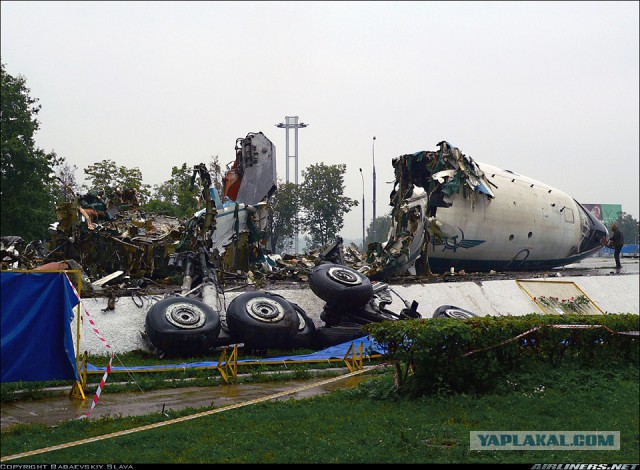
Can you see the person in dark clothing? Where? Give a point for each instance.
(616, 242)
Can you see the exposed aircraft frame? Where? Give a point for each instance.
(451, 212)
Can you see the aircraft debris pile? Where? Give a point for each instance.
(447, 213)
(16, 253)
(120, 246)
(104, 236)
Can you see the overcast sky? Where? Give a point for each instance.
(546, 89)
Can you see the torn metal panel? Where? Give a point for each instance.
(15, 255)
(424, 182)
(11, 247)
(252, 177)
(240, 231)
(235, 219)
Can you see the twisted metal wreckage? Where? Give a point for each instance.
(438, 196)
(424, 181)
(109, 233)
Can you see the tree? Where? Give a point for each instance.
(322, 202)
(629, 228)
(66, 185)
(176, 197)
(106, 176)
(215, 170)
(383, 225)
(27, 179)
(284, 204)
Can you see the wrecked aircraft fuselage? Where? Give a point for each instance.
(450, 211)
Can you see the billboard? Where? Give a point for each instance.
(605, 213)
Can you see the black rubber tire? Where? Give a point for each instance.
(451, 311)
(367, 314)
(333, 316)
(306, 336)
(182, 327)
(340, 285)
(327, 336)
(262, 320)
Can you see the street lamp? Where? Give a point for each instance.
(363, 238)
(291, 122)
(373, 226)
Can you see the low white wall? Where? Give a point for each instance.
(121, 328)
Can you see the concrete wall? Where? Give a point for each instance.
(121, 328)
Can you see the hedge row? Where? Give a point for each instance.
(472, 355)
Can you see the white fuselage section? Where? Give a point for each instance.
(527, 223)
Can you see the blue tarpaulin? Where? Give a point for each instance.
(36, 310)
(627, 250)
(369, 347)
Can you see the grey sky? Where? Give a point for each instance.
(546, 89)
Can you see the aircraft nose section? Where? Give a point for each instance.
(595, 233)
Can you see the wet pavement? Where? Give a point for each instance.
(54, 410)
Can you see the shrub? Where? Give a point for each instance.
(474, 354)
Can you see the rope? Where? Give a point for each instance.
(185, 418)
(96, 398)
(577, 327)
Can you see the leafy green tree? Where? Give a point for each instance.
(322, 202)
(629, 228)
(176, 197)
(383, 225)
(284, 204)
(215, 170)
(66, 186)
(106, 176)
(27, 178)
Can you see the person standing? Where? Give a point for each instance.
(616, 242)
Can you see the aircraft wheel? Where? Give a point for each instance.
(262, 320)
(358, 315)
(327, 336)
(367, 314)
(305, 338)
(340, 285)
(331, 316)
(451, 311)
(180, 326)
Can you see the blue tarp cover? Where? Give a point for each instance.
(626, 250)
(36, 310)
(369, 347)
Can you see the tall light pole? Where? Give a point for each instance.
(363, 238)
(373, 226)
(291, 122)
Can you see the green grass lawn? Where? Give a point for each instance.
(372, 423)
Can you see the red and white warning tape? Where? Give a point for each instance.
(86, 312)
(628, 333)
(96, 398)
(503, 342)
